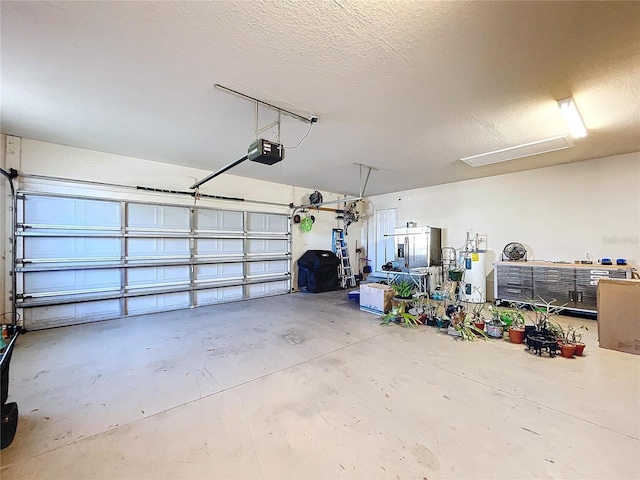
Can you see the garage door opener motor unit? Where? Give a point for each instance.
(264, 151)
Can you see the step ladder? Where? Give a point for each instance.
(341, 249)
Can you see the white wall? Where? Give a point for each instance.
(49, 159)
(10, 150)
(558, 213)
(40, 158)
(5, 197)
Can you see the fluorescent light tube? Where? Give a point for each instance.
(572, 118)
(519, 151)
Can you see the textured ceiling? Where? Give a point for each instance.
(406, 87)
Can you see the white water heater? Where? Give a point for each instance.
(473, 287)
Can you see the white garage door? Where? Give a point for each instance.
(83, 260)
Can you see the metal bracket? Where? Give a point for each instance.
(222, 170)
(311, 119)
(329, 202)
(363, 186)
(276, 122)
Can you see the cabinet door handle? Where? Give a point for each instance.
(407, 252)
(571, 297)
(579, 297)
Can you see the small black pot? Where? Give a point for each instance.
(431, 321)
(442, 322)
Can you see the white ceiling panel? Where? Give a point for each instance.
(406, 87)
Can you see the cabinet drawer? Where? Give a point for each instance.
(516, 293)
(513, 270)
(598, 273)
(619, 273)
(514, 275)
(551, 274)
(515, 280)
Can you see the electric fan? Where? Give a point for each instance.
(514, 251)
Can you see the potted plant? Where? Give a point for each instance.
(442, 321)
(567, 348)
(576, 339)
(475, 315)
(400, 313)
(455, 314)
(548, 335)
(461, 325)
(389, 317)
(456, 274)
(570, 341)
(503, 319)
(405, 318)
(439, 312)
(432, 314)
(516, 326)
(419, 309)
(543, 319)
(468, 331)
(404, 289)
(495, 326)
(426, 310)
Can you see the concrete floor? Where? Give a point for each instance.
(307, 386)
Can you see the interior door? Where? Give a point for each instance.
(385, 246)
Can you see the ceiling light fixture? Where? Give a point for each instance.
(572, 118)
(519, 151)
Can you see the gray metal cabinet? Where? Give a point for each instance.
(514, 283)
(554, 283)
(586, 286)
(573, 286)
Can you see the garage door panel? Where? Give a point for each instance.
(270, 288)
(157, 247)
(37, 318)
(267, 246)
(99, 214)
(71, 247)
(221, 220)
(271, 267)
(265, 222)
(220, 271)
(148, 276)
(157, 303)
(70, 212)
(46, 247)
(71, 280)
(97, 247)
(219, 246)
(218, 295)
(157, 217)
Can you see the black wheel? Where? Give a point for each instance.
(9, 423)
